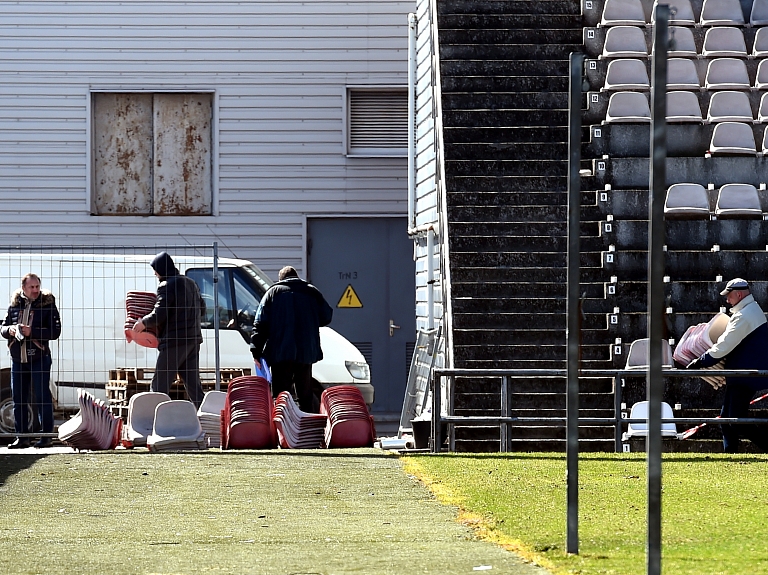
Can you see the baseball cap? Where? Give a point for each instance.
(735, 284)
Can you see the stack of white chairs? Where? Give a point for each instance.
(176, 427)
(696, 340)
(209, 415)
(141, 417)
(93, 428)
(297, 429)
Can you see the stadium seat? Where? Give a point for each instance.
(765, 142)
(628, 107)
(176, 427)
(759, 15)
(637, 358)
(626, 74)
(762, 111)
(727, 74)
(723, 41)
(721, 13)
(732, 138)
(683, 15)
(738, 201)
(685, 45)
(624, 42)
(761, 78)
(141, 416)
(729, 106)
(682, 75)
(760, 46)
(640, 411)
(623, 13)
(688, 201)
(683, 107)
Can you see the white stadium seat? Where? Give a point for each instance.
(687, 200)
(628, 107)
(683, 106)
(729, 106)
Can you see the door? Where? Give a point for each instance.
(364, 267)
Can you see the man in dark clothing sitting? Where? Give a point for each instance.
(286, 332)
(177, 315)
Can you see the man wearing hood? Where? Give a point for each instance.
(744, 345)
(176, 317)
(31, 322)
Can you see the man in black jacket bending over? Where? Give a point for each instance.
(176, 316)
(286, 332)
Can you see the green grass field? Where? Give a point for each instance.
(714, 509)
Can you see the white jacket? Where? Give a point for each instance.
(747, 317)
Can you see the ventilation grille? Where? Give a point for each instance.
(409, 347)
(366, 348)
(378, 122)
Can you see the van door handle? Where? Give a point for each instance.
(392, 327)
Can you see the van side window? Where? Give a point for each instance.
(204, 280)
(248, 294)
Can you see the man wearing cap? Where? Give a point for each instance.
(177, 315)
(743, 345)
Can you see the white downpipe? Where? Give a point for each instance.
(431, 279)
(412, 29)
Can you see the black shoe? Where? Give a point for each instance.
(44, 442)
(19, 444)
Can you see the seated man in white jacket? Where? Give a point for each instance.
(744, 345)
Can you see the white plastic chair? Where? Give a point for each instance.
(687, 200)
(762, 110)
(759, 14)
(761, 78)
(721, 13)
(738, 201)
(628, 107)
(732, 138)
(760, 45)
(213, 403)
(683, 107)
(175, 422)
(623, 13)
(724, 41)
(141, 415)
(624, 42)
(765, 142)
(685, 45)
(682, 74)
(727, 74)
(729, 106)
(683, 13)
(626, 74)
(638, 358)
(640, 411)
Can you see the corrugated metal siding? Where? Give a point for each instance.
(279, 70)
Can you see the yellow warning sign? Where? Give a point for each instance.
(349, 298)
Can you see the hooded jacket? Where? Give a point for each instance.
(179, 308)
(43, 319)
(288, 321)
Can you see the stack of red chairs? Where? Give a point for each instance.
(349, 422)
(137, 305)
(298, 429)
(247, 417)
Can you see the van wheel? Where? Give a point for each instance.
(6, 416)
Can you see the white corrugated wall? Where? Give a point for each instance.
(279, 72)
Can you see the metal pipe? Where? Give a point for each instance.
(431, 279)
(216, 353)
(618, 430)
(412, 30)
(573, 311)
(657, 189)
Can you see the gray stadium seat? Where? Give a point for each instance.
(729, 106)
(727, 74)
(683, 15)
(721, 13)
(762, 111)
(628, 107)
(683, 106)
(761, 78)
(682, 74)
(624, 42)
(623, 13)
(687, 201)
(732, 138)
(685, 45)
(723, 41)
(759, 15)
(626, 74)
(738, 201)
(765, 141)
(760, 46)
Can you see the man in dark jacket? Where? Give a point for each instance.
(176, 317)
(286, 332)
(31, 322)
(744, 345)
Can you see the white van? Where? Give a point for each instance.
(90, 293)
